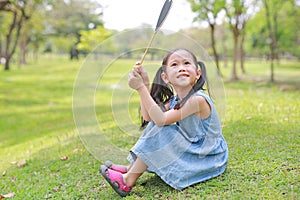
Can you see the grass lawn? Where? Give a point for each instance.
(42, 156)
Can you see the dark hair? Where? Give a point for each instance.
(162, 92)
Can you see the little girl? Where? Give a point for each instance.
(183, 142)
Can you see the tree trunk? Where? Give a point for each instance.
(235, 54)
(224, 47)
(213, 44)
(23, 47)
(6, 64)
(272, 69)
(1, 48)
(242, 55)
(272, 37)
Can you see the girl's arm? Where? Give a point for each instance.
(144, 111)
(141, 70)
(195, 104)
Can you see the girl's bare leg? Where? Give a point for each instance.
(135, 171)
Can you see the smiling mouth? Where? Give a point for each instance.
(183, 75)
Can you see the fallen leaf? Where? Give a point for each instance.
(48, 196)
(102, 187)
(4, 173)
(7, 195)
(64, 158)
(13, 179)
(78, 183)
(13, 162)
(22, 163)
(55, 189)
(77, 150)
(248, 117)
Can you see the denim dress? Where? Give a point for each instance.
(187, 152)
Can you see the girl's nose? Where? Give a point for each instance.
(181, 68)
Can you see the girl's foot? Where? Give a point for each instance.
(115, 179)
(118, 168)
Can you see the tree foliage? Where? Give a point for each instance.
(72, 16)
(90, 38)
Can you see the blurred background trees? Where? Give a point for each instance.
(232, 30)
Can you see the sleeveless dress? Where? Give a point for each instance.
(187, 152)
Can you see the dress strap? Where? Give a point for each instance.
(173, 101)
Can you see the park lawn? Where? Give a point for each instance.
(261, 127)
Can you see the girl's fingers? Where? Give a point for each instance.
(130, 75)
(136, 68)
(135, 73)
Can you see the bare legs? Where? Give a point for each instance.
(134, 172)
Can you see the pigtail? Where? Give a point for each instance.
(199, 85)
(205, 79)
(160, 91)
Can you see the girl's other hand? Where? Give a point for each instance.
(135, 80)
(141, 70)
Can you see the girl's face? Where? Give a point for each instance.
(181, 70)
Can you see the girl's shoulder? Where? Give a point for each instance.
(202, 93)
(205, 96)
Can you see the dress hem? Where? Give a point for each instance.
(204, 177)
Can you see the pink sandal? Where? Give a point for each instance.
(118, 168)
(115, 179)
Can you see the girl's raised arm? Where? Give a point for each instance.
(141, 70)
(195, 104)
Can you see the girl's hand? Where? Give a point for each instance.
(141, 70)
(135, 80)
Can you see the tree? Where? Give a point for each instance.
(238, 13)
(278, 33)
(31, 33)
(209, 10)
(15, 13)
(272, 11)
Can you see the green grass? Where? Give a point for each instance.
(261, 127)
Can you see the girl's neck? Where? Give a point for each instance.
(182, 92)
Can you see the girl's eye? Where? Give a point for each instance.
(187, 63)
(174, 64)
